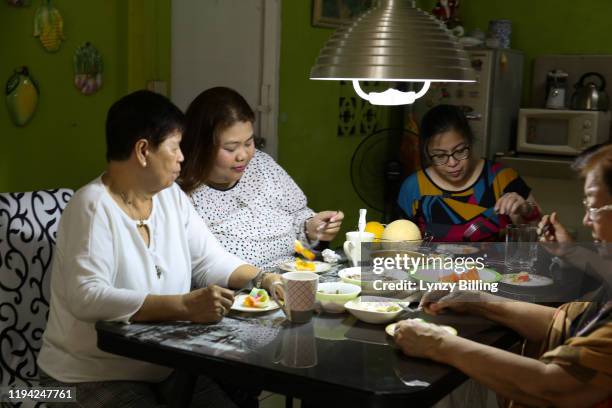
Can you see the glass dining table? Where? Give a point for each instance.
(333, 360)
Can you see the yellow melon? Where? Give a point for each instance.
(401, 230)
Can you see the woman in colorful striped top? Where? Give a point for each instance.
(459, 196)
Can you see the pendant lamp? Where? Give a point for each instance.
(393, 41)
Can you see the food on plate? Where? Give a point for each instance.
(330, 256)
(401, 230)
(329, 292)
(302, 250)
(354, 276)
(303, 265)
(521, 277)
(375, 228)
(257, 298)
(469, 275)
(381, 307)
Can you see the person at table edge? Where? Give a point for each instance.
(130, 248)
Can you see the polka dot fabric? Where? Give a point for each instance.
(259, 218)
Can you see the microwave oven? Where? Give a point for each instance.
(562, 132)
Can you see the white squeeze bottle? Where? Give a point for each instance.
(361, 224)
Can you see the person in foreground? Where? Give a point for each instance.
(460, 196)
(130, 247)
(574, 366)
(248, 201)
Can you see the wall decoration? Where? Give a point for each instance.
(88, 67)
(21, 96)
(19, 3)
(335, 13)
(49, 26)
(356, 116)
(448, 12)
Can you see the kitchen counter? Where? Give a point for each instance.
(541, 166)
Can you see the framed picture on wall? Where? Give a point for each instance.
(335, 13)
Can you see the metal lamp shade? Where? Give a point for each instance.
(394, 41)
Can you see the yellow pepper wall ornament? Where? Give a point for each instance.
(49, 26)
(88, 67)
(21, 96)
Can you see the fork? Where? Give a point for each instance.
(471, 230)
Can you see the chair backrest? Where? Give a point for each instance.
(28, 228)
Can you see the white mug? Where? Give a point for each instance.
(352, 245)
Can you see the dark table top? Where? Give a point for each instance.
(332, 359)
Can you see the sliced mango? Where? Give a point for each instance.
(302, 265)
(302, 250)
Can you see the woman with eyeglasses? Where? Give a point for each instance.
(459, 196)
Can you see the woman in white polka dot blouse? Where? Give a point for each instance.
(248, 201)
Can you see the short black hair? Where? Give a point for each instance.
(140, 115)
(440, 119)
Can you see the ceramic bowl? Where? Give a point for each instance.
(333, 295)
(353, 276)
(374, 310)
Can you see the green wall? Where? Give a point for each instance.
(308, 146)
(63, 145)
(543, 26)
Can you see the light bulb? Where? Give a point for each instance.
(391, 97)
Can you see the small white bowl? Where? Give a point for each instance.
(333, 295)
(369, 315)
(353, 276)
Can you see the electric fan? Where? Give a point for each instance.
(380, 164)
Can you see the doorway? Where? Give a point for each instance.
(233, 43)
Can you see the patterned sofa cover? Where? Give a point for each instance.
(28, 227)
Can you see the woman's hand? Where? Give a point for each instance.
(324, 226)
(419, 339)
(268, 284)
(513, 204)
(207, 305)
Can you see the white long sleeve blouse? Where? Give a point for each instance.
(103, 270)
(260, 216)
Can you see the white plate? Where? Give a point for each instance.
(434, 275)
(239, 300)
(457, 249)
(534, 280)
(319, 267)
(390, 329)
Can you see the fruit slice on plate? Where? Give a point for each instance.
(390, 329)
(302, 250)
(526, 279)
(302, 265)
(470, 275)
(258, 298)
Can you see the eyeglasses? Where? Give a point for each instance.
(442, 158)
(595, 213)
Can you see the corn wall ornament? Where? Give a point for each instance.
(21, 96)
(88, 67)
(49, 26)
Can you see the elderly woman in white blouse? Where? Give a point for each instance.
(248, 201)
(130, 248)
